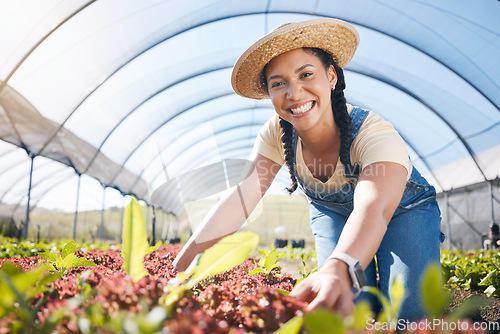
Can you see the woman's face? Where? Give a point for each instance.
(300, 88)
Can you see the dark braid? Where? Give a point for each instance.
(287, 138)
(342, 119)
(340, 115)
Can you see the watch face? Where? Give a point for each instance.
(360, 275)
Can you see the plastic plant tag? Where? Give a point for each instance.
(135, 241)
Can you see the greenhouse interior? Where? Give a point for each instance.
(104, 100)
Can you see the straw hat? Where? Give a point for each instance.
(337, 37)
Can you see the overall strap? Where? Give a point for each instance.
(358, 116)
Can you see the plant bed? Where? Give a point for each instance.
(136, 289)
(104, 299)
(486, 313)
(98, 299)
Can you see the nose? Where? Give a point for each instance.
(293, 91)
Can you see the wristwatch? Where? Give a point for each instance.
(356, 272)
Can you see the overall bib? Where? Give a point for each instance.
(410, 243)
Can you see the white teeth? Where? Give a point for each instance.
(302, 109)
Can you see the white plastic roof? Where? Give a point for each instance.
(136, 93)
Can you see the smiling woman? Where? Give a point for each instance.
(366, 197)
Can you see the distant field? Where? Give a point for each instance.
(273, 211)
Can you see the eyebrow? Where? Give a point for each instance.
(296, 71)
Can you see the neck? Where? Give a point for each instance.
(322, 138)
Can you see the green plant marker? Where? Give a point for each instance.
(388, 313)
(469, 307)
(323, 322)
(224, 255)
(135, 241)
(292, 326)
(360, 316)
(433, 297)
(397, 291)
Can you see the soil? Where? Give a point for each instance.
(489, 313)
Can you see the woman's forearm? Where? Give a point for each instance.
(228, 215)
(377, 195)
(362, 235)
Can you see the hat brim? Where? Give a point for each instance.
(337, 37)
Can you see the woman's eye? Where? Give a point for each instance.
(276, 84)
(305, 75)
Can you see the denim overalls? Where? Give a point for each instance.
(411, 241)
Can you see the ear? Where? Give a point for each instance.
(332, 77)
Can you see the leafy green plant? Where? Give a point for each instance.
(135, 241)
(305, 273)
(325, 321)
(435, 298)
(18, 289)
(389, 313)
(267, 264)
(492, 283)
(475, 271)
(67, 259)
(10, 247)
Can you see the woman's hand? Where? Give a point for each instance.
(184, 258)
(189, 252)
(227, 216)
(330, 287)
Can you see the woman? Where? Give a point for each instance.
(366, 198)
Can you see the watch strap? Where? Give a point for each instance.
(353, 265)
(349, 260)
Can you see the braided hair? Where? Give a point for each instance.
(340, 115)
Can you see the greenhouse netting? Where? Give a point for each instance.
(102, 99)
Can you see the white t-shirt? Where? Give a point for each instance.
(377, 141)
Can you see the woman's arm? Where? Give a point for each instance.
(231, 211)
(378, 192)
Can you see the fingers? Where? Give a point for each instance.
(179, 266)
(182, 260)
(323, 299)
(333, 299)
(324, 291)
(345, 303)
(327, 297)
(303, 291)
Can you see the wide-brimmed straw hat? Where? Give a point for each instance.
(337, 37)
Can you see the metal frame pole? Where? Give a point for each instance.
(492, 199)
(27, 220)
(76, 207)
(101, 228)
(448, 221)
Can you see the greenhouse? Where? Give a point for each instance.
(104, 100)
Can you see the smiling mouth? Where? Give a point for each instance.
(303, 108)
